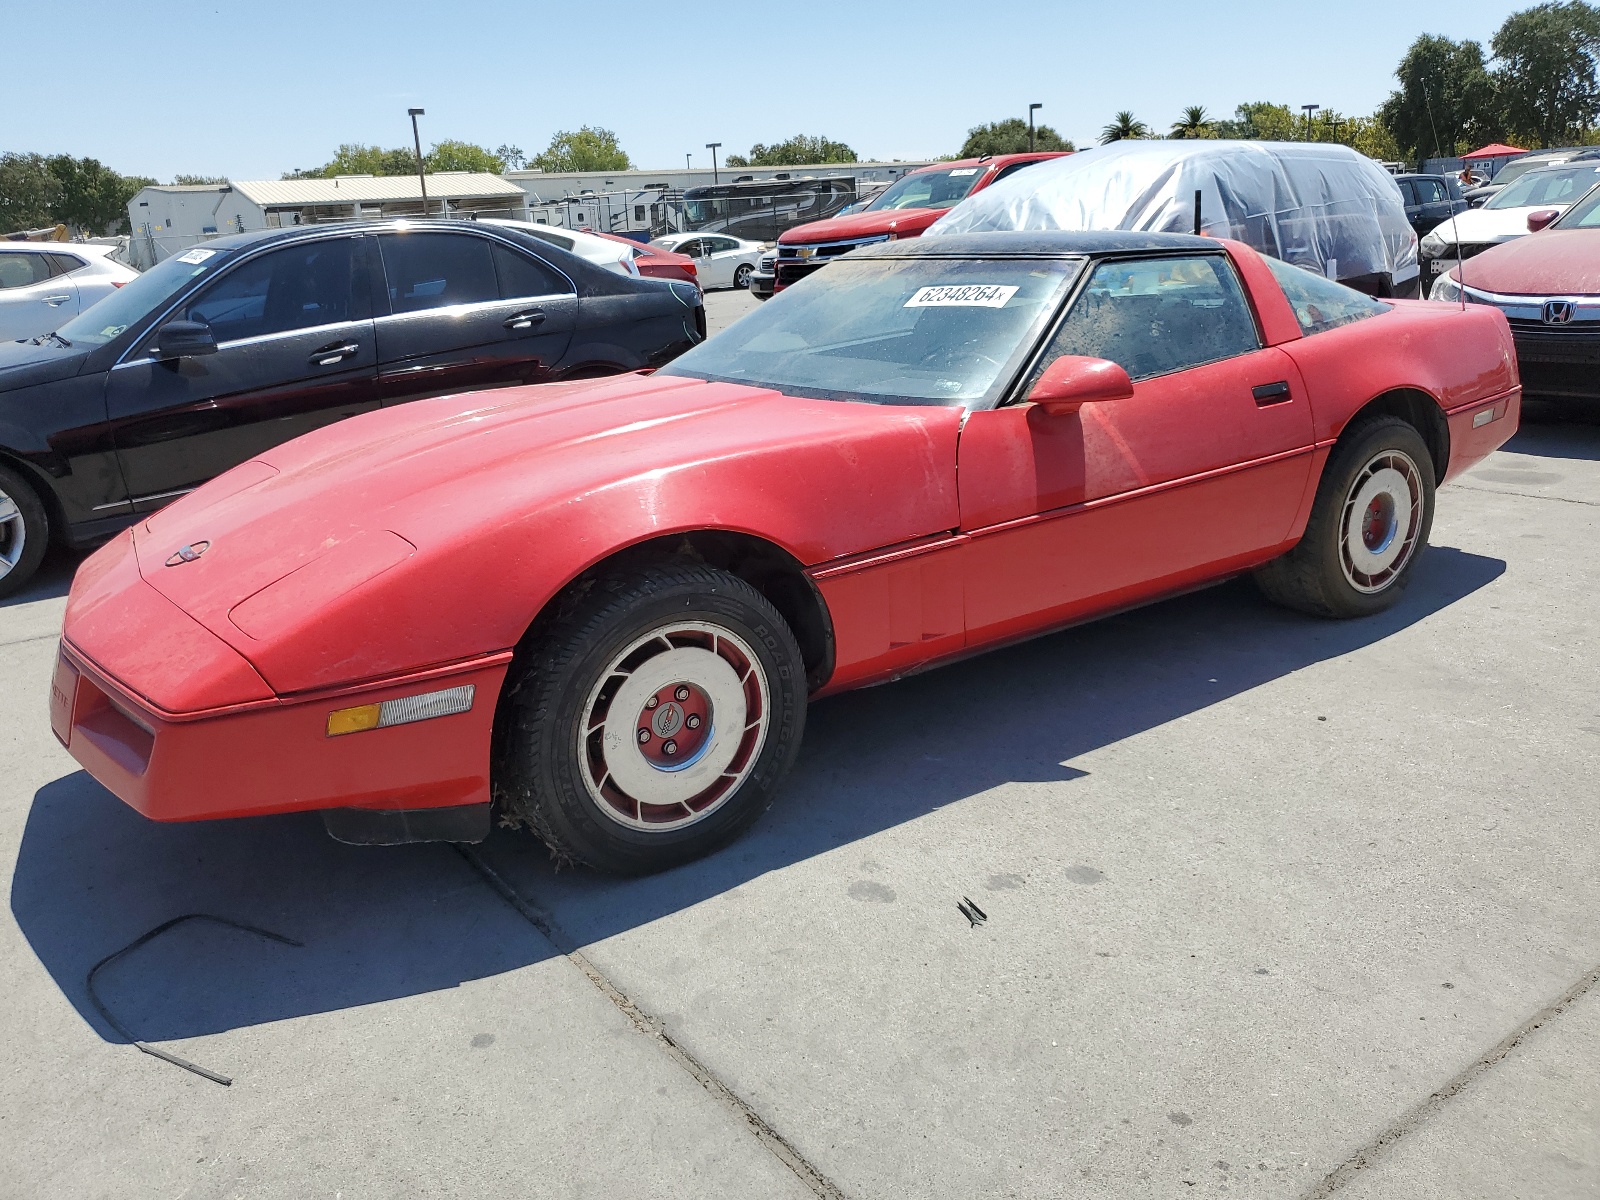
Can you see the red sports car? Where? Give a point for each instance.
(603, 606)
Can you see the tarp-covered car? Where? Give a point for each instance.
(1317, 205)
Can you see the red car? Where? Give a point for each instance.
(902, 210)
(605, 605)
(655, 262)
(1548, 286)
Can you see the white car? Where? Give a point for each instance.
(43, 285)
(720, 261)
(614, 256)
(1504, 216)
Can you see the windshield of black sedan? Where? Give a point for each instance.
(105, 320)
(891, 331)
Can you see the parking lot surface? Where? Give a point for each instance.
(1276, 907)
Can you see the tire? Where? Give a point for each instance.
(24, 532)
(659, 655)
(1369, 524)
(741, 275)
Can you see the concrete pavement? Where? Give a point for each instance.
(1259, 889)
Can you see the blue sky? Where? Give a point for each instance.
(253, 90)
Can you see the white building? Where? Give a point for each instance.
(167, 220)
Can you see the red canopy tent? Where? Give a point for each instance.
(1498, 150)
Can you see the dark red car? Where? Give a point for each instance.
(902, 210)
(655, 262)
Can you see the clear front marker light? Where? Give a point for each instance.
(403, 711)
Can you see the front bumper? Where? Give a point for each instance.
(275, 755)
(761, 285)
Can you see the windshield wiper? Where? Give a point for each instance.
(54, 336)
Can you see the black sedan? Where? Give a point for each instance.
(234, 346)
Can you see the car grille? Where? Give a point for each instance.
(796, 262)
(766, 263)
(1578, 342)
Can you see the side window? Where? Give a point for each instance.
(691, 248)
(22, 270)
(521, 275)
(1408, 191)
(65, 264)
(1158, 315)
(1007, 171)
(281, 291)
(1432, 191)
(1320, 304)
(718, 245)
(433, 270)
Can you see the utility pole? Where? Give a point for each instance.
(1309, 109)
(416, 139)
(712, 146)
(1031, 107)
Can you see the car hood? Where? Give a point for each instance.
(25, 364)
(1490, 224)
(902, 222)
(1553, 262)
(434, 531)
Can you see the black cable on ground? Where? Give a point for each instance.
(106, 1014)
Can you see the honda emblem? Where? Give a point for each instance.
(1558, 312)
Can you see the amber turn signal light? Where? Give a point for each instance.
(353, 720)
(403, 711)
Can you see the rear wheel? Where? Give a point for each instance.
(1368, 525)
(24, 532)
(741, 277)
(653, 721)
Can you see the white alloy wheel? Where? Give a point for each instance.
(1381, 521)
(674, 726)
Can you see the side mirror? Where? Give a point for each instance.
(1538, 220)
(184, 339)
(1073, 381)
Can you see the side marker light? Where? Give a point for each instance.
(403, 711)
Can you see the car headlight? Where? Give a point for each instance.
(1445, 288)
(1432, 246)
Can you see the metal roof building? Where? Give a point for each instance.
(169, 219)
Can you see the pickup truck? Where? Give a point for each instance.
(903, 210)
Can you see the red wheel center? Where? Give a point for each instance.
(674, 724)
(1375, 524)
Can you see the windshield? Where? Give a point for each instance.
(948, 332)
(1585, 214)
(928, 189)
(105, 320)
(1553, 185)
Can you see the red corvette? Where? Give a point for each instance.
(603, 605)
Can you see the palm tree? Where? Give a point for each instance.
(1124, 125)
(1195, 123)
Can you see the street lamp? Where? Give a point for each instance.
(416, 139)
(1309, 109)
(1031, 107)
(712, 146)
(686, 159)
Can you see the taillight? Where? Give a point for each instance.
(693, 273)
(119, 282)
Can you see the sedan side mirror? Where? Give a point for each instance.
(184, 339)
(1538, 220)
(1073, 381)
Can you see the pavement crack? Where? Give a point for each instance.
(43, 637)
(1467, 487)
(1373, 1151)
(774, 1142)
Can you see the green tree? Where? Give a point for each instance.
(1010, 137)
(1545, 77)
(353, 158)
(798, 151)
(461, 156)
(511, 156)
(1195, 123)
(29, 192)
(1123, 127)
(197, 180)
(94, 198)
(1446, 100)
(587, 149)
(1259, 120)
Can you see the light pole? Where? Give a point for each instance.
(416, 139)
(1309, 109)
(712, 146)
(1031, 107)
(686, 159)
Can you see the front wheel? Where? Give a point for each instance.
(741, 277)
(654, 720)
(24, 532)
(1368, 525)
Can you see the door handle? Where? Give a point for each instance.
(55, 301)
(1271, 393)
(524, 320)
(337, 352)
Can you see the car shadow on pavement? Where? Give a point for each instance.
(377, 924)
(53, 580)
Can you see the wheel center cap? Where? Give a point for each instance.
(668, 719)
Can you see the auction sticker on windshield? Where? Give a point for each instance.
(964, 295)
(196, 256)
